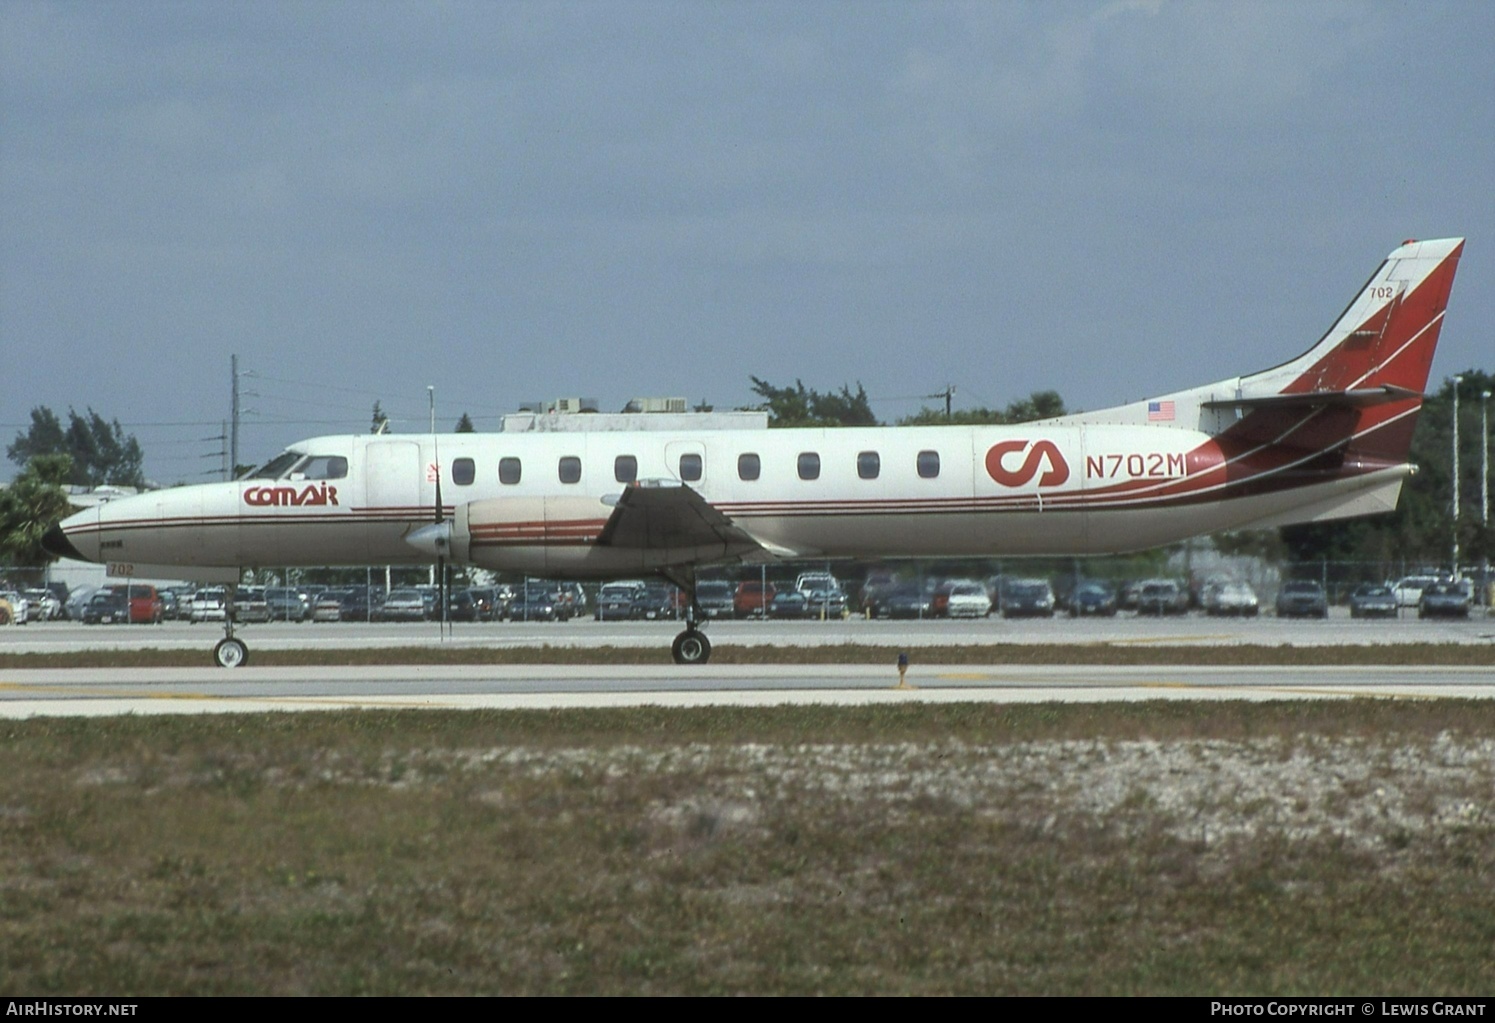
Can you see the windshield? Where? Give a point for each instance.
(276, 467)
(301, 466)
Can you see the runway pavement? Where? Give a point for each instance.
(1339, 629)
(24, 693)
(100, 691)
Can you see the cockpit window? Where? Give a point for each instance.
(322, 467)
(276, 467)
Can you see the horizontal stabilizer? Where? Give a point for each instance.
(1359, 398)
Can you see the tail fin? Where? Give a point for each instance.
(1386, 337)
(1355, 395)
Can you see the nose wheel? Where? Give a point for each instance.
(230, 652)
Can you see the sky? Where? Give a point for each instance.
(517, 201)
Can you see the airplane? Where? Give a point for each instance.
(1323, 436)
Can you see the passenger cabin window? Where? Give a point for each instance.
(464, 471)
(869, 464)
(508, 470)
(749, 467)
(690, 467)
(809, 465)
(322, 467)
(625, 468)
(929, 464)
(570, 469)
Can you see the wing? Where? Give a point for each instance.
(671, 516)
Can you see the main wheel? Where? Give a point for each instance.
(691, 647)
(230, 653)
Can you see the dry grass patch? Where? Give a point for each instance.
(1167, 848)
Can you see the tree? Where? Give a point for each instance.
(33, 503)
(381, 421)
(464, 425)
(796, 406)
(98, 450)
(1038, 405)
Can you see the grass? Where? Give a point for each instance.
(1442, 654)
(1161, 848)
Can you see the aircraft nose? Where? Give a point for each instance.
(56, 543)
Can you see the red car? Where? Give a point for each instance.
(752, 599)
(146, 607)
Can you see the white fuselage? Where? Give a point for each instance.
(1056, 487)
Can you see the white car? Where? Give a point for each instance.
(1409, 589)
(968, 600)
(208, 606)
(45, 607)
(1230, 598)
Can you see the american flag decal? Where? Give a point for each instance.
(1160, 411)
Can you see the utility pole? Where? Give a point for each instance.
(948, 393)
(233, 441)
(1484, 490)
(1456, 382)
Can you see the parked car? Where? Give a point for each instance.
(106, 607)
(532, 605)
(1230, 598)
(807, 581)
(714, 597)
(144, 602)
(284, 604)
(615, 600)
(486, 603)
(825, 602)
(1092, 598)
(1302, 598)
(45, 607)
(208, 605)
(967, 599)
(789, 604)
(1162, 597)
(462, 606)
(1444, 600)
(658, 602)
(1409, 588)
(250, 604)
(752, 598)
(358, 604)
(405, 605)
(328, 607)
(77, 600)
(906, 600)
(1372, 600)
(1027, 598)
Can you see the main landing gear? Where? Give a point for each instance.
(230, 652)
(691, 646)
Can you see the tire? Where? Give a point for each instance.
(691, 647)
(230, 653)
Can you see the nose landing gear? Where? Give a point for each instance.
(230, 652)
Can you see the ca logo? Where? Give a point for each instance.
(1042, 451)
